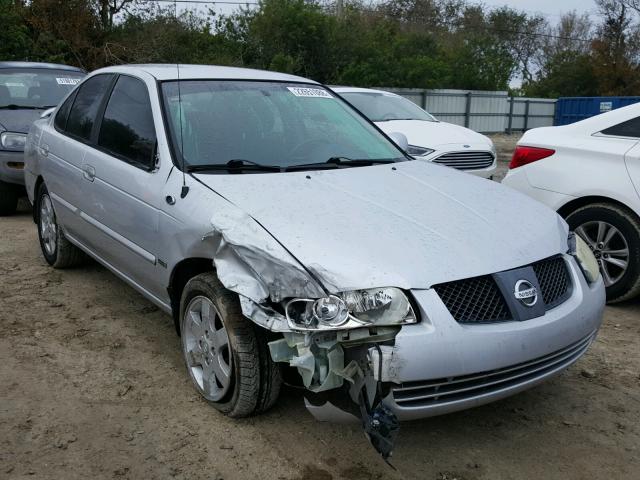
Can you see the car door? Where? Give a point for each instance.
(123, 187)
(63, 146)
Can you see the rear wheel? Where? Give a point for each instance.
(227, 356)
(8, 198)
(613, 234)
(56, 249)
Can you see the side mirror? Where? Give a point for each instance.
(47, 112)
(400, 139)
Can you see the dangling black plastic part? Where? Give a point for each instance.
(184, 191)
(380, 424)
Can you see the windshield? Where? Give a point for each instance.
(382, 107)
(270, 123)
(35, 87)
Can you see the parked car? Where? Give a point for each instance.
(26, 89)
(589, 172)
(429, 139)
(279, 227)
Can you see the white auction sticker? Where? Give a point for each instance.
(309, 92)
(67, 81)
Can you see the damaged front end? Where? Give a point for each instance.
(340, 343)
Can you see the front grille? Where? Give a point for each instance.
(553, 279)
(466, 160)
(479, 300)
(474, 300)
(445, 390)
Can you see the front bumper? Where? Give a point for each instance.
(8, 171)
(440, 366)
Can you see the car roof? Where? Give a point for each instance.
(46, 66)
(193, 72)
(340, 89)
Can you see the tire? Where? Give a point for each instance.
(622, 283)
(8, 198)
(242, 378)
(56, 249)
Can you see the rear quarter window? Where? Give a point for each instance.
(630, 128)
(85, 108)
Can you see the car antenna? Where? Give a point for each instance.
(185, 188)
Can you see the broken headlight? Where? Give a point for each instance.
(358, 308)
(584, 256)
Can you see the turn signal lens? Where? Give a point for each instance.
(525, 155)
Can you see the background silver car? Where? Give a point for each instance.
(26, 89)
(279, 226)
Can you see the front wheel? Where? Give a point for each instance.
(227, 356)
(613, 234)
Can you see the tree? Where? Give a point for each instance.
(616, 50)
(15, 43)
(564, 62)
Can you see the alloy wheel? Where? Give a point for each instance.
(48, 226)
(609, 247)
(207, 349)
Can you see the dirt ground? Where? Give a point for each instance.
(92, 385)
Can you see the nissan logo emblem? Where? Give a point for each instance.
(525, 293)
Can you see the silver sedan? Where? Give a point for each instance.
(286, 234)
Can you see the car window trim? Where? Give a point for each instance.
(76, 137)
(154, 161)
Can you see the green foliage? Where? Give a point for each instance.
(396, 43)
(15, 43)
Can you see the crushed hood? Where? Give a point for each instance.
(434, 134)
(18, 120)
(410, 225)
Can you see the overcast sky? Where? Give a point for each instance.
(553, 8)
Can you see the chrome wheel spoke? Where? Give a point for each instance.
(608, 281)
(602, 229)
(221, 370)
(194, 358)
(583, 233)
(221, 339)
(623, 253)
(617, 262)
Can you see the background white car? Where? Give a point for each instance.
(589, 172)
(429, 138)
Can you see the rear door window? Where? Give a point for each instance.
(127, 130)
(630, 128)
(85, 108)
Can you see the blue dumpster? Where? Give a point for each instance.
(573, 109)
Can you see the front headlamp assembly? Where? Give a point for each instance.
(386, 306)
(13, 141)
(580, 250)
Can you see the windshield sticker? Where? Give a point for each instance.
(67, 81)
(309, 92)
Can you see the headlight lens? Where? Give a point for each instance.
(13, 141)
(418, 151)
(583, 254)
(359, 308)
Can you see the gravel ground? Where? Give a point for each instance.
(92, 385)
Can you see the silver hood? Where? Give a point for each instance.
(18, 120)
(410, 225)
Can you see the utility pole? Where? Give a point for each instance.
(339, 8)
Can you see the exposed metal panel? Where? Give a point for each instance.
(482, 111)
